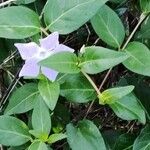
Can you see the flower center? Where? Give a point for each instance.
(43, 53)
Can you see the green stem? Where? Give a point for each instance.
(142, 18)
(96, 89)
(44, 31)
(92, 83)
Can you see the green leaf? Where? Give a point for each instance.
(85, 136)
(68, 15)
(77, 88)
(13, 132)
(37, 145)
(118, 1)
(24, 1)
(128, 108)
(67, 60)
(112, 95)
(109, 27)
(97, 59)
(145, 29)
(60, 118)
(18, 22)
(110, 137)
(142, 92)
(124, 142)
(41, 121)
(23, 99)
(139, 60)
(143, 140)
(21, 147)
(39, 135)
(50, 92)
(56, 137)
(145, 6)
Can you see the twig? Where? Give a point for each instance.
(96, 89)
(89, 33)
(44, 31)
(1, 147)
(6, 3)
(13, 77)
(142, 18)
(8, 58)
(9, 90)
(105, 78)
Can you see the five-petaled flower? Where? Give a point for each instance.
(33, 53)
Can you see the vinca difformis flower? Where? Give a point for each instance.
(33, 53)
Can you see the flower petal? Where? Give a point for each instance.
(62, 47)
(30, 69)
(49, 73)
(27, 50)
(50, 42)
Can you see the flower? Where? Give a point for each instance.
(33, 53)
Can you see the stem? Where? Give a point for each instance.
(44, 31)
(5, 97)
(92, 83)
(142, 18)
(40, 17)
(96, 89)
(6, 3)
(105, 78)
(89, 109)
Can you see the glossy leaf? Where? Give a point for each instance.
(85, 136)
(68, 15)
(143, 140)
(117, 1)
(24, 1)
(139, 60)
(37, 145)
(112, 95)
(108, 27)
(56, 137)
(124, 142)
(110, 137)
(23, 99)
(41, 121)
(68, 62)
(97, 59)
(60, 118)
(142, 92)
(145, 6)
(145, 29)
(21, 147)
(39, 135)
(49, 92)
(128, 108)
(18, 22)
(77, 88)
(13, 132)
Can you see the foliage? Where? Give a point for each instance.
(41, 113)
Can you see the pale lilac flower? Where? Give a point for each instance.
(33, 53)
